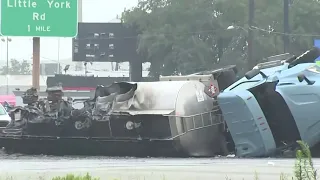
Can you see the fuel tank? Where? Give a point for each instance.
(192, 116)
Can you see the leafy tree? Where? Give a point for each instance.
(17, 68)
(177, 35)
(184, 36)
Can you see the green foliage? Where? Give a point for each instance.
(73, 177)
(283, 176)
(185, 36)
(304, 168)
(17, 68)
(256, 177)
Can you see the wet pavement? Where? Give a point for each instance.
(123, 168)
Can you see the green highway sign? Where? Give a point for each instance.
(39, 18)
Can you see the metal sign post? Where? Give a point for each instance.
(36, 63)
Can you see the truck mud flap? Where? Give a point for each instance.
(247, 124)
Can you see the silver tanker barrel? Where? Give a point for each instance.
(215, 80)
(213, 83)
(224, 76)
(194, 127)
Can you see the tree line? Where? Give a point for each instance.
(186, 36)
(17, 68)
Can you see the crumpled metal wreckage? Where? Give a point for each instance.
(151, 118)
(53, 108)
(273, 106)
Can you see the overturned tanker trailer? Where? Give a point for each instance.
(174, 118)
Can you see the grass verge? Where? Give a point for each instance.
(303, 168)
(73, 177)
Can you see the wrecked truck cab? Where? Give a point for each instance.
(272, 109)
(256, 115)
(303, 98)
(246, 121)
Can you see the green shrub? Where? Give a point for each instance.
(73, 177)
(304, 169)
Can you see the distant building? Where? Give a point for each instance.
(23, 82)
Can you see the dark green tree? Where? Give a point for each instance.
(185, 36)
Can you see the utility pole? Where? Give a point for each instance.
(251, 62)
(80, 10)
(7, 66)
(80, 19)
(58, 64)
(7, 40)
(286, 29)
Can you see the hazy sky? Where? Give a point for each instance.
(93, 11)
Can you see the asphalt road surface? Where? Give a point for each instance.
(26, 167)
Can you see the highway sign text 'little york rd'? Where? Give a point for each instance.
(39, 18)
